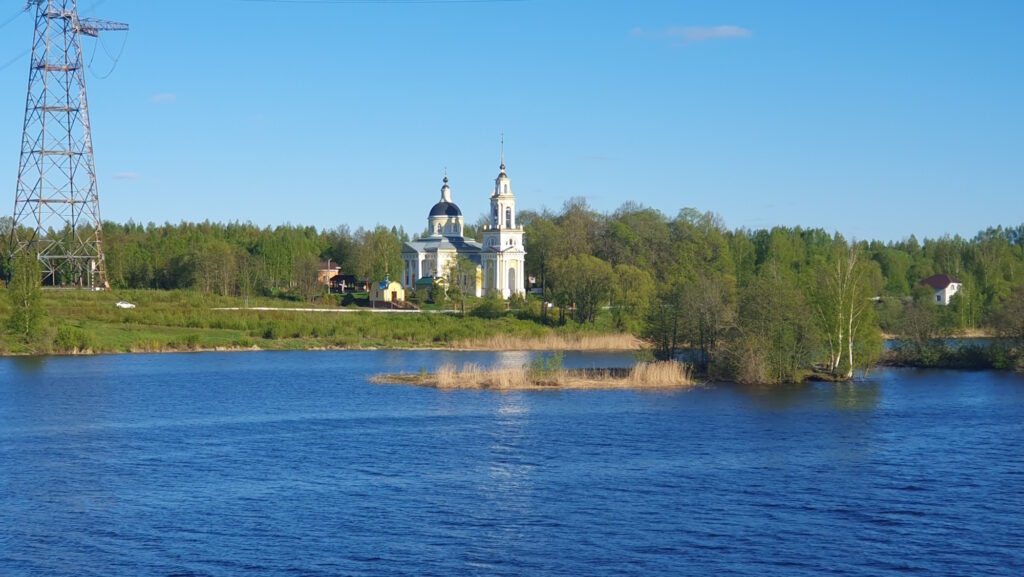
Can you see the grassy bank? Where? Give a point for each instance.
(555, 341)
(660, 375)
(990, 355)
(89, 322)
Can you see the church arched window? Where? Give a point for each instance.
(508, 217)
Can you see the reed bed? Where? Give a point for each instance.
(553, 342)
(656, 375)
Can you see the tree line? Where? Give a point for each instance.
(244, 259)
(767, 305)
(759, 305)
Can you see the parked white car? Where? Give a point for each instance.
(124, 305)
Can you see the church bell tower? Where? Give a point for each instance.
(504, 256)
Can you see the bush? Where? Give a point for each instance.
(546, 365)
(71, 339)
(492, 307)
(244, 343)
(438, 294)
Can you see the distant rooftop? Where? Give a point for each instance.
(940, 281)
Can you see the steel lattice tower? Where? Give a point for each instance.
(56, 207)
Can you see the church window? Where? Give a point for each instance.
(439, 229)
(508, 217)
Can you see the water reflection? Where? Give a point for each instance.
(856, 396)
(509, 470)
(29, 365)
(511, 359)
(776, 397)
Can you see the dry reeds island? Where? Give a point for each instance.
(654, 375)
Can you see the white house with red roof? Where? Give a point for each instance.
(944, 285)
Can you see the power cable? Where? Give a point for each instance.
(14, 60)
(10, 20)
(116, 59)
(380, 1)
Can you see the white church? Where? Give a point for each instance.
(500, 258)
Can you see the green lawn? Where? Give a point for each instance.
(80, 321)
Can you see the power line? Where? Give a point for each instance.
(115, 59)
(14, 60)
(11, 19)
(381, 1)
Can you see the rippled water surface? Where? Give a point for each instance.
(292, 464)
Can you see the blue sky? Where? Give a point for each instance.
(874, 118)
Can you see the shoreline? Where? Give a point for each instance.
(539, 346)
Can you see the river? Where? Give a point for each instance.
(291, 463)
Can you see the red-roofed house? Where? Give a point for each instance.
(945, 287)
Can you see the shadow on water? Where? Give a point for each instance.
(29, 365)
(862, 396)
(777, 397)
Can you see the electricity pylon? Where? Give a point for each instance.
(56, 207)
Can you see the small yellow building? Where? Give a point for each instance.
(387, 291)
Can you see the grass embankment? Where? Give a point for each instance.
(555, 341)
(995, 354)
(82, 322)
(659, 375)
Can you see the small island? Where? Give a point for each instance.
(546, 374)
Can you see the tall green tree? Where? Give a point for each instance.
(25, 297)
(544, 245)
(585, 282)
(379, 254)
(307, 271)
(664, 326)
(709, 312)
(1010, 318)
(632, 292)
(776, 340)
(462, 280)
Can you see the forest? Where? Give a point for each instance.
(766, 305)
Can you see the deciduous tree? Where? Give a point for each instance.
(25, 296)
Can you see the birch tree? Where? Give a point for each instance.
(843, 303)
